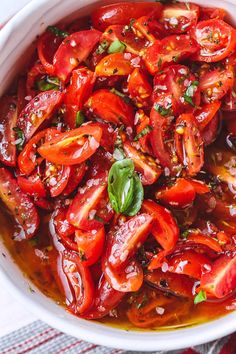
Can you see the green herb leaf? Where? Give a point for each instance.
(163, 111)
(138, 195)
(20, 138)
(116, 47)
(80, 118)
(200, 297)
(144, 132)
(125, 98)
(102, 47)
(82, 255)
(59, 33)
(190, 93)
(185, 234)
(48, 83)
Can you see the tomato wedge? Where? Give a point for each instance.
(57, 178)
(206, 113)
(19, 205)
(38, 110)
(77, 173)
(117, 64)
(32, 185)
(73, 147)
(206, 240)
(73, 50)
(139, 88)
(80, 280)
(8, 139)
(64, 231)
(142, 122)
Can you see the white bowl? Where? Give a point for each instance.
(15, 38)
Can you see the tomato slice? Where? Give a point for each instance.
(38, 110)
(122, 13)
(164, 227)
(143, 123)
(180, 195)
(124, 242)
(206, 113)
(77, 173)
(229, 102)
(111, 108)
(169, 50)
(8, 139)
(35, 73)
(80, 280)
(57, 178)
(146, 165)
(109, 136)
(21, 94)
(139, 88)
(117, 64)
(19, 205)
(209, 133)
(148, 27)
(189, 144)
(32, 185)
(216, 40)
(73, 50)
(90, 245)
(72, 147)
(206, 240)
(199, 186)
(220, 281)
(64, 231)
(207, 13)
(105, 300)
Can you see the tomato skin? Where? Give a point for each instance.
(164, 227)
(73, 50)
(143, 122)
(106, 299)
(209, 133)
(90, 244)
(207, 13)
(57, 178)
(204, 240)
(110, 108)
(124, 242)
(205, 114)
(139, 88)
(19, 205)
(220, 281)
(213, 49)
(189, 144)
(122, 13)
(72, 147)
(38, 110)
(32, 185)
(8, 119)
(76, 175)
(148, 168)
(199, 186)
(47, 46)
(64, 231)
(180, 195)
(116, 64)
(80, 280)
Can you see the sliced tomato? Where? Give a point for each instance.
(220, 281)
(216, 40)
(82, 210)
(180, 195)
(77, 93)
(148, 27)
(206, 240)
(122, 13)
(199, 186)
(76, 175)
(56, 178)
(21, 94)
(143, 123)
(73, 50)
(44, 203)
(34, 74)
(178, 18)
(144, 164)
(32, 185)
(105, 300)
(8, 138)
(127, 279)
(124, 242)
(117, 64)
(72, 147)
(169, 50)
(38, 110)
(80, 280)
(164, 227)
(64, 231)
(90, 245)
(209, 133)
(189, 144)
(139, 88)
(19, 205)
(206, 113)
(207, 13)
(110, 107)
(229, 102)
(109, 136)
(215, 84)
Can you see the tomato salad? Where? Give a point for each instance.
(118, 164)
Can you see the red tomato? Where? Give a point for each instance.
(111, 108)
(38, 110)
(164, 227)
(82, 210)
(139, 88)
(231, 126)
(169, 50)
(216, 40)
(199, 186)
(105, 300)
(206, 240)
(72, 147)
(206, 113)
(215, 84)
(189, 144)
(190, 263)
(104, 209)
(178, 18)
(44, 203)
(90, 245)
(117, 64)
(19, 205)
(21, 94)
(180, 195)
(127, 279)
(109, 136)
(73, 50)
(65, 232)
(77, 93)
(76, 175)
(143, 122)
(207, 13)
(56, 178)
(209, 133)
(220, 281)
(144, 27)
(8, 138)
(122, 13)
(80, 280)
(229, 102)
(123, 243)
(145, 165)
(34, 74)
(32, 185)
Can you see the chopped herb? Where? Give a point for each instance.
(102, 47)
(122, 95)
(141, 304)
(200, 297)
(116, 47)
(175, 58)
(48, 83)
(20, 138)
(31, 290)
(118, 153)
(80, 118)
(233, 93)
(159, 64)
(96, 217)
(145, 131)
(185, 234)
(188, 96)
(162, 110)
(82, 256)
(59, 33)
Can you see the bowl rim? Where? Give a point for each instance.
(102, 334)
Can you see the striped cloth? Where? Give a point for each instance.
(38, 338)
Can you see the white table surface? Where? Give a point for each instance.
(12, 315)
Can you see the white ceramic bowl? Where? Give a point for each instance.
(15, 38)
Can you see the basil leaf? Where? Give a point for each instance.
(48, 83)
(162, 110)
(190, 93)
(80, 118)
(137, 198)
(200, 297)
(59, 33)
(121, 185)
(116, 47)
